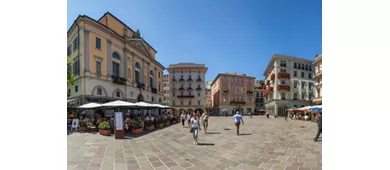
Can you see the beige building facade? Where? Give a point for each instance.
(166, 89)
(289, 83)
(207, 99)
(111, 62)
(318, 79)
(187, 87)
(231, 92)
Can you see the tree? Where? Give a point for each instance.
(70, 75)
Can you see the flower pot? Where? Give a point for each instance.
(160, 125)
(149, 128)
(105, 132)
(137, 131)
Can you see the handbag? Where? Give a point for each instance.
(191, 130)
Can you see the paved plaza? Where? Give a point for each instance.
(264, 144)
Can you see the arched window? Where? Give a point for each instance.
(99, 91)
(116, 55)
(152, 98)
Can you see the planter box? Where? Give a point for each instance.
(166, 123)
(83, 129)
(173, 121)
(149, 128)
(137, 131)
(160, 125)
(105, 132)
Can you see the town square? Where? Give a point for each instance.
(264, 144)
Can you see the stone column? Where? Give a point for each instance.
(109, 60)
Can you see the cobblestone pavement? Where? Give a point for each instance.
(264, 144)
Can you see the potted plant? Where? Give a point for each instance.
(137, 127)
(173, 120)
(83, 126)
(166, 121)
(149, 125)
(104, 129)
(160, 123)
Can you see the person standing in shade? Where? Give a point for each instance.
(237, 120)
(319, 122)
(189, 119)
(286, 116)
(205, 121)
(195, 125)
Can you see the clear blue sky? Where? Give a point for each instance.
(226, 35)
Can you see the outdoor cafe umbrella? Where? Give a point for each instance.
(315, 108)
(118, 103)
(89, 106)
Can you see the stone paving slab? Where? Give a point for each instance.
(264, 144)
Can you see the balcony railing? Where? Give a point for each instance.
(181, 80)
(190, 89)
(174, 80)
(185, 96)
(181, 89)
(273, 77)
(249, 91)
(118, 80)
(154, 90)
(284, 75)
(237, 102)
(198, 89)
(270, 89)
(198, 80)
(189, 80)
(284, 87)
(225, 90)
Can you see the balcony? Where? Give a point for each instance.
(198, 80)
(189, 80)
(237, 102)
(154, 90)
(249, 91)
(185, 96)
(225, 90)
(198, 89)
(190, 89)
(284, 87)
(140, 85)
(273, 77)
(174, 80)
(181, 80)
(181, 89)
(284, 75)
(118, 80)
(270, 89)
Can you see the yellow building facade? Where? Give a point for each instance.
(112, 62)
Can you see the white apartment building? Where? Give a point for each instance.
(166, 90)
(187, 87)
(289, 83)
(318, 78)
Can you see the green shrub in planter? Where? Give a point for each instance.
(149, 123)
(137, 125)
(174, 118)
(104, 126)
(160, 121)
(83, 124)
(166, 120)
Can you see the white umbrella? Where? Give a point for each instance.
(118, 103)
(90, 106)
(304, 108)
(144, 104)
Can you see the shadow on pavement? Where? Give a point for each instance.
(245, 134)
(226, 129)
(206, 144)
(213, 133)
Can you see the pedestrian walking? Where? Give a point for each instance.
(250, 114)
(183, 118)
(188, 119)
(195, 127)
(205, 121)
(237, 120)
(226, 114)
(319, 122)
(286, 116)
